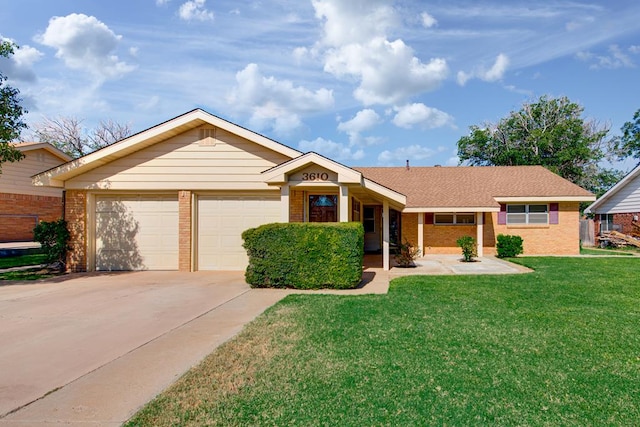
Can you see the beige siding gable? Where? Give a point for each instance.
(16, 177)
(203, 158)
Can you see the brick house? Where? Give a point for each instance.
(22, 205)
(179, 195)
(618, 207)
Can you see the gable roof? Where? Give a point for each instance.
(474, 187)
(191, 120)
(346, 175)
(32, 146)
(593, 207)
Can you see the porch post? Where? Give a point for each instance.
(421, 232)
(385, 235)
(284, 203)
(344, 203)
(479, 231)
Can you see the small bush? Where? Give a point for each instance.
(305, 255)
(468, 245)
(407, 254)
(54, 239)
(508, 246)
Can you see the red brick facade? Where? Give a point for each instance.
(20, 213)
(185, 233)
(76, 216)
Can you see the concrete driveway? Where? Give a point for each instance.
(93, 349)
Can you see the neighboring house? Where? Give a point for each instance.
(23, 205)
(179, 195)
(618, 207)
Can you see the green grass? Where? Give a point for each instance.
(21, 260)
(606, 252)
(559, 346)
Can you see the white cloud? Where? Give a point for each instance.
(387, 72)
(362, 121)
(373, 17)
(428, 21)
(195, 10)
(495, 73)
(331, 149)
(418, 114)
(634, 49)
(273, 103)
(19, 66)
(616, 58)
(580, 22)
(85, 43)
(162, 2)
(400, 155)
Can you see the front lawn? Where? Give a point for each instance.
(559, 346)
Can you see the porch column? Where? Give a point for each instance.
(479, 231)
(284, 203)
(344, 203)
(385, 235)
(421, 232)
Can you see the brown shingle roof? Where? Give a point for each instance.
(471, 186)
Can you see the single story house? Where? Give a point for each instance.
(22, 205)
(618, 207)
(179, 195)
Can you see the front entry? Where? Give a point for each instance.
(372, 222)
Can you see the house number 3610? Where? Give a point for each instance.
(323, 176)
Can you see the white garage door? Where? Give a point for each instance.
(137, 233)
(221, 221)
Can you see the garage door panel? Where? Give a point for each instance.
(221, 221)
(136, 233)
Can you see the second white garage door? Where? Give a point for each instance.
(136, 233)
(221, 221)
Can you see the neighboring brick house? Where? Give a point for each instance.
(179, 195)
(22, 205)
(619, 207)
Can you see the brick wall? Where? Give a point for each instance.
(553, 239)
(20, 213)
(76, 216)
(441, 239)
(296, 206)
(184, 230)
(409, 230)
(624, 220)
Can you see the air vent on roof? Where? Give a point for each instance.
(207, 137)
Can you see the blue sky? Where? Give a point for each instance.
(365, 82)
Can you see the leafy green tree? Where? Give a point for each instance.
(11, 113)
(629, 144)
(549, 132)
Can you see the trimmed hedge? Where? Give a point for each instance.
(508, 246)
(305, 255)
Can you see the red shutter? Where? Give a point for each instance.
(428, 218)
(502, 215)
(553, 213)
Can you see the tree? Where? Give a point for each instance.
(549, 132)
(11, 113)
(629, 144)
(68, 134)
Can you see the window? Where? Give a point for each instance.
(606, 223)
(369, 220)
(323, 208)
(527, 214)
(454, 218)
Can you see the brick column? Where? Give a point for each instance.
(184, 230)
(76, 217)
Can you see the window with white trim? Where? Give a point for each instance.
(527, 214)
(454, 218)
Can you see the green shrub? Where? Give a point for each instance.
(305, 255)
(468, 245)
(54, 240)
(407, 254)
(508, 246)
